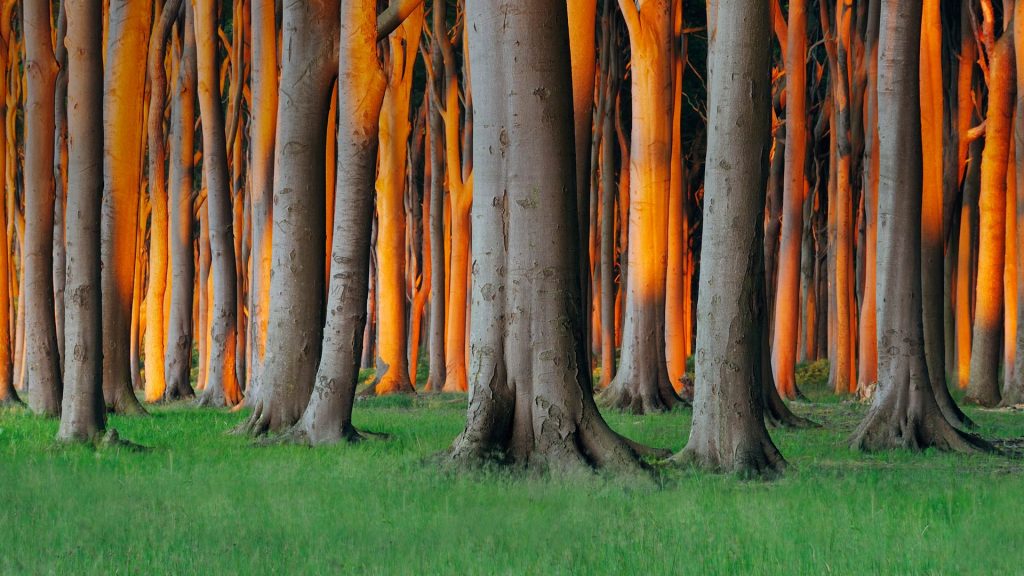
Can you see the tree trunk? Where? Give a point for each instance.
(642, 383)
(83, 413)
(178, 364)
(904, 413)
(529, 402)
(867, 373)
(361, 85)
(1013, 389)
(222, 387)
(41, 356)
(845, 368)
(785, 335)
(729, 433)
(392, 376)
(155, 334)
(127, 39)
(263, 126)
(438, 294)
(8, 393)
(60, 173)
(988, 322)
(294, 335)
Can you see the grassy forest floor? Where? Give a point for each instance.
(202, 502)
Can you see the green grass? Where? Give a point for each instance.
(203, 502)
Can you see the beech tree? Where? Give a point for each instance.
(729, 433)
(641, 383)
(83, 415)
(124, 80)
(904, 412)
(181, 199)
(529, 403)
(294, 334)
(222, 386)
(41, 354)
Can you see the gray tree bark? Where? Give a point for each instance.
(904, 413)
(530, 404)
(294, 335)
(178, 355)
(83, 415)
(41, 353)
(729, 433)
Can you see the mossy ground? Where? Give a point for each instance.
(200, 501)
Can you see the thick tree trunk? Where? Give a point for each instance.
(263, 127)
(41, 354)
(845, 368)
(83, 414)
(178, 364)
(127, 39)
(529, 402)
(904, 413)
(222, 387)
(988, 322)
(361, 85)
(785, 335)
(294, 335)
(642, 383)
(155, 343)
(729, 433)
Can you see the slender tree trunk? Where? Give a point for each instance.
(988, 323)
(787, 295)
(392, 376)
(127, 38)
(155, 334)
(846, 317)
(83, 415)
(222, 385)
(609, 192)
(904, 413)
(438, 295)
(529, 404)
(361, 84)
(642, 383)
(263, 126)
(1013, 389)
(178, 364)
(867, 373)
(294, 335)
(8, 393)
(60, 173)
(41, 354)
(203, 289)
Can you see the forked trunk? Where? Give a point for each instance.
(361, 84)
(308, 68)
(178, 364)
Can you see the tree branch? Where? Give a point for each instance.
(396, 13)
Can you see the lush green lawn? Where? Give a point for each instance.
(203, 502)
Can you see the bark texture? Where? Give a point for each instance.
(729, 433)
(904, 413)
(41, 353)
(529, 402)
(83, 414)
(308, 68)
(127, 38)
